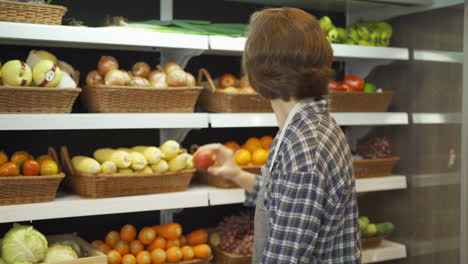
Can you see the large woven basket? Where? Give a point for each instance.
(36, 100)
(196, 261)
(370, 242)
(30, 189)
(223, 257)
(359, 101)
(111, 185)
(126, 99)
(213, 100)
(206, 178)
(368, 168)
(31, 13)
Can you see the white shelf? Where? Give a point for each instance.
(438, 56)
(436, 118)
(386, 251)
(243, 120)
(101, 121)
(367, 119)
(381, 184)
(87, 37)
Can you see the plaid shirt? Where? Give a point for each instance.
(311, 195)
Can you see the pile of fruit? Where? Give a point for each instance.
(170, 156)
(41, 69)
(153, 245)
(369, 229)
(352, 83)
(228, 83)
(362, 33)
(141, 75)
(254, 152)
(235, 234)
(375, 148)
(23, 163)
(24, 244)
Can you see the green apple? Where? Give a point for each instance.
(370, 231)
(385, 39)
(376, 37)
(350, 42)
(363, 223)
(363, 42)
(363, 32)
(342, 34)
(326, 23)
(352, 34)
(385, 27)
(47, 73)
(334, 36)
(16, 73)
(35, 56)
(369, 88)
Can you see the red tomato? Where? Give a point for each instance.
(334, 86)
(203, 160)
(346, 87)
(355, 82)
(31, 168)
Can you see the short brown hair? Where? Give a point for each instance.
(287, 55)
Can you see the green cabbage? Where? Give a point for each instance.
(24, 244)
(60, 253)
(71, 244)
(2, 261)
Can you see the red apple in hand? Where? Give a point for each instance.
(203, 160)
(227, 80)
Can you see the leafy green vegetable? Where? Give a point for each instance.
(71, 244)
(24, 244)
(59, 253)
(2, 261)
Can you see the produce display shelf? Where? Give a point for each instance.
(95, 38)
(101, 121)
(438, 56)
(233, 46)
(388, 250)
(269, 120)
(394, 182)
(436, 118)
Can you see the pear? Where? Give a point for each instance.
(334, 36)
(342, 34)
(352, 34)
(363, 32)
(326, 23)
(179, 162)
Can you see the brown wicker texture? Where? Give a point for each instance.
(92, 255)
(197, 261)
(368, 168)
(359, 101)
(30, 189)
(31, 13)
(223, 257)
(220, 102)
(370, 242)
(36, 100)
(126, 99)
(206, 178)
(111, 185)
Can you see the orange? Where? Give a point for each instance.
(158, 256)
(97, 243)
(252, 144)
(112, 238)
(3, 158)
(242, 157)
(128, 233)
(259, 157)
(202, 251)
(113, 257)
(170, 231)
(188, 253)
(197, 237)
(159, 242)
(104, 248)
(129, 259)
(136, 247)
(232, 145)
(122, 247)
(147, 235)
(173, 243)
(183, 241)
(266, 142)
(174, 254)
(143, 257)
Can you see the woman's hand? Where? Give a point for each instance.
(227, 167)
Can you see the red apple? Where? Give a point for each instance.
(227, 80)
(203, 159)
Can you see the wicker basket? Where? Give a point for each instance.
(126, 99)
(370, 242)
(368, 168)
(31, 13)
(197, 261)
(220, 102)
(206, 178)
(359, 101)
(36, 100)
(30, 189)
(91, 254)
(223, 257)
(111, 185)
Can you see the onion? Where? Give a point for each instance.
(139, 82)
(171, 66)
(116, 77)
(94, 78)
(141, 69)
(106, 64)
(157, 77)
(176, 78)
(127, 76)
(191, 82)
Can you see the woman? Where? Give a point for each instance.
(306, 210)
